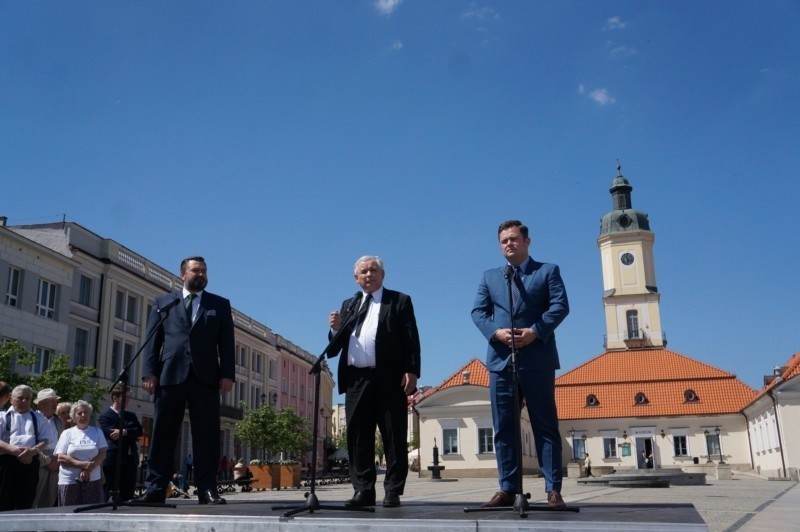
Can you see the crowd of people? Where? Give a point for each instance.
(53, 455)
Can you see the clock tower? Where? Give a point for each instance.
(630, 296)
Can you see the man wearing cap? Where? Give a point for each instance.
(50, 426)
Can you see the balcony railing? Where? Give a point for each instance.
(231, 412)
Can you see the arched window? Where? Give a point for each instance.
(641, 399)
(690, 396)
(591, 400)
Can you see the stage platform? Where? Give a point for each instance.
(246, 516)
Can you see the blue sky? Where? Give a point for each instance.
(282, 140)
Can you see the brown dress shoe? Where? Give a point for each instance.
(554, 500)
(501, 499)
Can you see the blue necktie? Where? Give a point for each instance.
(516, 280)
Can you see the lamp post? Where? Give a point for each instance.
(572, 436)
(263, 402)
(583, 437)
(719, 445)
(708, 447)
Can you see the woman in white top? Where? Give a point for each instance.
(81, 451)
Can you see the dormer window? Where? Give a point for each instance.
(690, 396)
(591, 400)
(641, 399)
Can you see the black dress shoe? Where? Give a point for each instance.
(361, 498)
(155, 496)
(391, 500)
(210, 497)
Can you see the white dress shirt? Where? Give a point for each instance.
(361, 351)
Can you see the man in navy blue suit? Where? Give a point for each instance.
(189, 362)
(539, 306)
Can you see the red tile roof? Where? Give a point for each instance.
(663, 376)
(791, 370)
(616, 377)
(478, 376)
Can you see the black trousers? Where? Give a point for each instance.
(372, 402)
(17, 483)
(171, 402)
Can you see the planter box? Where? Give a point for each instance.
(289, 476)
(265, 477)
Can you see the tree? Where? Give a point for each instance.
(340, 440)
(414, 443)
(293, 435)
(379, 451)
(10, 353)
(70, 384)
(257, 428)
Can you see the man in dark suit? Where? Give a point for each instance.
(540, 304)
(190, 361)
(124, 443)
(378, 369)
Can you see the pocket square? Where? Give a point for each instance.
(211, 313)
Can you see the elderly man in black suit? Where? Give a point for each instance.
(190, 361)
(378, 369)
(124, 443)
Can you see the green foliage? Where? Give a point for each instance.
(11, 352)
(274, 432)
(414, 443)
(340, 440)
(70, 384)
(256, 428)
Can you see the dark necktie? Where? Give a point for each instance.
(516, 280)
(362, 314)
(188, 306)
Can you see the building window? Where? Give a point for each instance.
(712, 445)
(449, 441)
(680, 445)
(243, 356)
(283, 384)
(122, 352)
(257, 362)
(85, 293)
(578, 448)
(632, 317)
(272, 369)
(609, 447)
(12, 288)
(591, 400)
(641, 399)
(485, 440)
(81, 346)
(43, 359)
(126, 307)
(47, 299)
(690, 396)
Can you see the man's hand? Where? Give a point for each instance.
(409, 383)
(114, 434)
(521, 337)
(149, 384)
(335, 320)
(225, 386)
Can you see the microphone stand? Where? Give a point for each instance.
(312, 502)
(123, 379)
(521, 503)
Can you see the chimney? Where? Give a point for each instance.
(465, 376)
(3, 220)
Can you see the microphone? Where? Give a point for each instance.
(169, 305)
(508, 272)
(355, 302)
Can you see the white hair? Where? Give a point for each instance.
(368, 258)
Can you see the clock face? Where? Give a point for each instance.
(626, 259)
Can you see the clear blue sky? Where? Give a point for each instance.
(282, 140)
